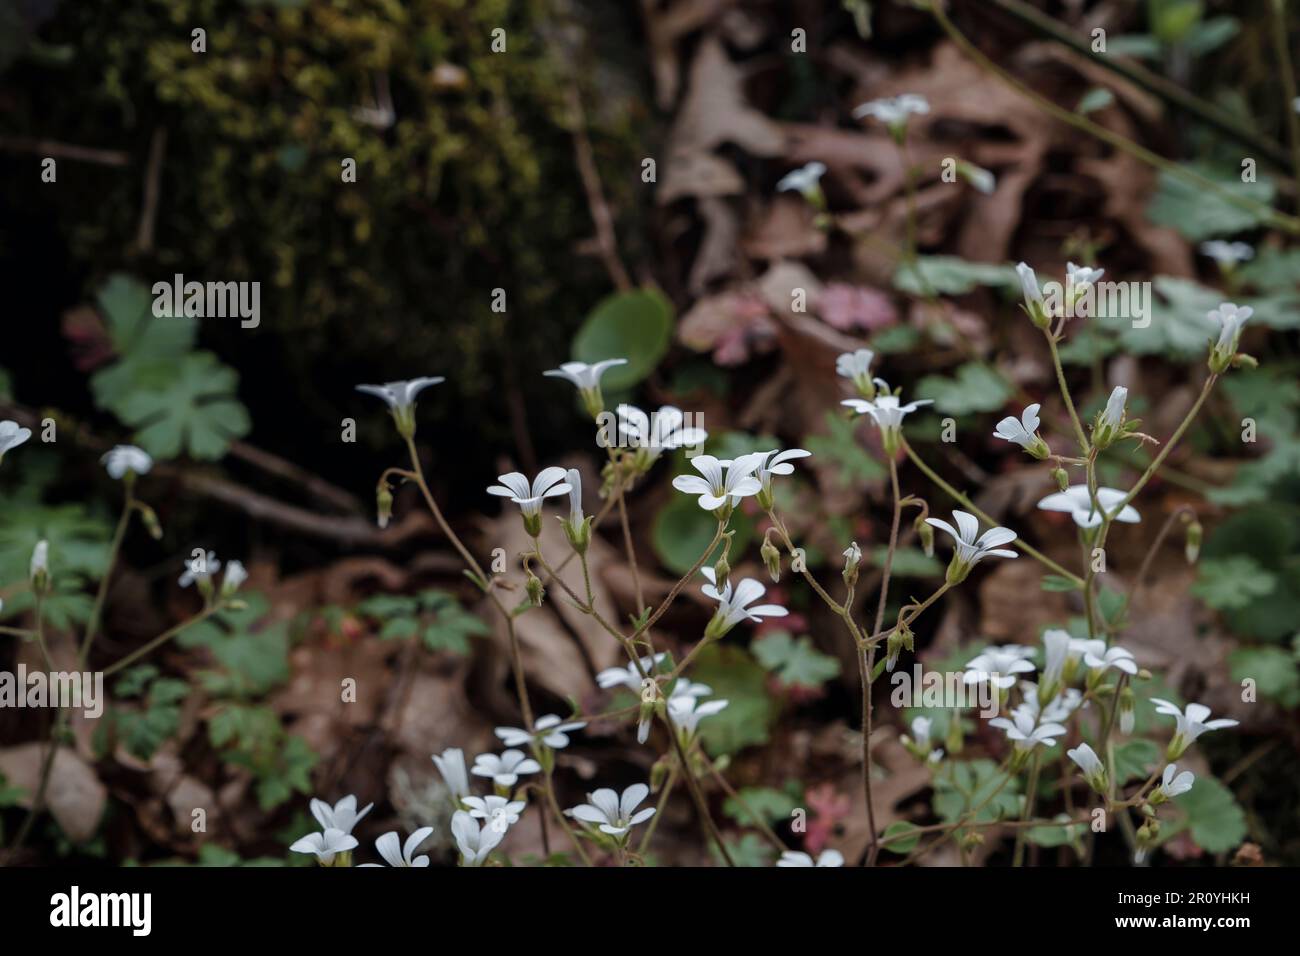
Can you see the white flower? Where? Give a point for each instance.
(1173, 783)
(1058, 709)
(826, 858)
(505, 769)
(887, 412)
(547, 729)
(1033, 293)
(587, 379)
(395, 853)
(687, 712)
(1114, 413)
(498, 811)
(968, 550)
(686, 688)
(1076, 277)
(1230, 318)
(325, 845)
(628, 676)
(723, 482)
(1026, 735)
(474, 844)
(921, 731)
(549, 483)
(342, 816)
(662, 431)
(1022, 431)
(1116, 657)
(614, 814)
(734, 607)
(1094, 771)
(400, 399)
(199, 569)
(1076, 502)
(895, 111)
(999, 664)
(856, 367)
(1191, 724)
(805, 180)
(11, 436)
(1056, 647)
(1227, 253)
(235, 576)
(121, 459)
(775, 462)
(451, 764)
(40, 564)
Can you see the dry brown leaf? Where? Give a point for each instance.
(74, 795)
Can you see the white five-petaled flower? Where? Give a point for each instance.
(1033, 293)
(688, 688)
(549, 483)
(614, 814)
(496, 810)
(121, 460)
(12, 435)
(999, 664)
(396, 853)
(805, 180)
(587, 379)
(342, 816)
(235, 576)
(1056, 654)
(1076, 277)
(1114, 413)
(658, 432)
(1227, 254)
(1230, 318)
(1173, 783)
(1058, 709)
(628, 676)
(1094, 771)
(723, 483)
(1191, 724)
(775, 462)
(687, 711)
(968, 550)
(894, 111)
(506, 769)
(1116, 657)
(400, 398)
(1023, 431)
(825, 858)
(887, 412)
(200, 569)
(548, 730)
(451, 764)
(1025, 733)
(325, 846)
(474, 843)
(1077, 502)
(734, 606)
(856, 367)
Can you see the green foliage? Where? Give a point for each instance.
(635, 325)
(251, 649)
(1216, 820)
(769, 804)
(975, 388)
(951, 275)
(682, 530)
(899, 840)
(252, 737)
(794, 661)
(1135, 759)
(750, 850)
(434, 615)
(908, 562)
(840, 447)
(736, 676)
(977, 787)
(144, 729)
(1272, 669)
(1200, 213)
(1227, 583)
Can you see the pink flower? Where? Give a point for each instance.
(848, 307)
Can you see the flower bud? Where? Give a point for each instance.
(771, 555)
(926, 533)
(1062, 478)
(901, 637)
(533, 586)
(722, 570)
(579, 534)
(40, 567)
(384, 503)
(151, 524)
(1192, 549)
(852, 559)
(1127, 710)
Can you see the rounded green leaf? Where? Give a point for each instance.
(637, 326)
(682, 530)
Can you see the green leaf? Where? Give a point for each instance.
(766, 803)
(795, 662)
(736, 677)
(637, 326)
(951, 275)
(899, 841)
(682, 530)
(1055, 582)
(185, 407)
(1272, 270)
(908, 562)
(137, 334)
(384, 606)
(1233, 582)
(1199, 213)
(748, 851)
(1054, 836)
(840, 447)
(976, 388)
(977, 783)
(1272, 669)
(1217, 822)
(1135, 759)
